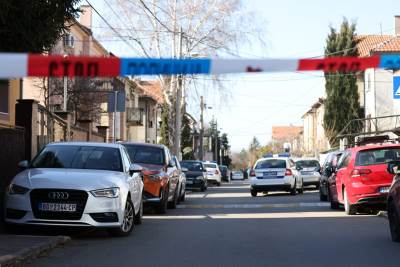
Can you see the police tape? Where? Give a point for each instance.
(29, 65)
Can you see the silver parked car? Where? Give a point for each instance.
(310, 171)
(78, 184)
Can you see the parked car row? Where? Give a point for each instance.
(364, 179)
(103, 185)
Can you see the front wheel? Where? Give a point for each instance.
(127, 223)
(162, 206)
(174, 202)
(183, 196)
(139, 215)
(301, 190)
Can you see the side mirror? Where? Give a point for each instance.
(23, 164)
(135, 168)
(393, 167)
(185, 169)
(298, 168)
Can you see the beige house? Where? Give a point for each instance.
(9, 93)
(284, 137)
(314, 139)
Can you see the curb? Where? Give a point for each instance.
(27, 254)
(383, 214)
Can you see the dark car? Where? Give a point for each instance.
(196, 174)
(327, 170)
(161, 177)
(393, 201)
(225, 173)
(182, 180)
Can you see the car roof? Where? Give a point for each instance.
(368, 147)
(142, 144)
(97, 144)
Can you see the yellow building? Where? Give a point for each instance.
(9, 93)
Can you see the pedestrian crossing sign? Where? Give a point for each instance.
(396, 87)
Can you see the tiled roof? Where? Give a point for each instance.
(153, 90)
(285, 132)
(373, 44)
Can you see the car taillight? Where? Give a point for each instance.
(288, 172)
(216, 172)
(360, 172)
(252, 173)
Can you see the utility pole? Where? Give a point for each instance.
(178, 115)
(201, 152)
(216, 141)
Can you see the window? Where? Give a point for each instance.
(271, 164)
(146, 154)
(377, 156)
(79, 157)
(211, 166)
(344, 160)
(192, 166)
(125, 158)
(307, 164)
(4, 96)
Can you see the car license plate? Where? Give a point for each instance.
(307, 173)
(270, 174)
(63, 207)
(189, 182)
(384, 189)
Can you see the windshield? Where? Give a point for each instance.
(377, 156)
(307, 164)
(213, 166)
(192, 166)
(271, 164)
(146, 154)
(79, 157)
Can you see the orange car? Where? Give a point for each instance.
(161, 177)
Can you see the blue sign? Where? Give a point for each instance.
(120, 101)
(396, 87)
(390, 62)
(148, 66)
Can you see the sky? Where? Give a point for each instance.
(250, 104)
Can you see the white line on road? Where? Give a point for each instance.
(253, 206)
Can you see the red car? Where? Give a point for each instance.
(362, 179)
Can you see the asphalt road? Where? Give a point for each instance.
(227, 227)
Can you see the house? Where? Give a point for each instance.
(9, 93)
(143, 114)
(314, 138)
(376, 87)
(284, 136)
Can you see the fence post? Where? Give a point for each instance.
(26, 115)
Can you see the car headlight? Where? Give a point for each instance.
(14, 189)
(112, 192)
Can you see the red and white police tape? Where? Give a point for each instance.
(13, 65)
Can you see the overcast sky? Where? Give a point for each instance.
(252, 103)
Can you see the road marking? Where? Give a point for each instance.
(271, 215)
(253, 205)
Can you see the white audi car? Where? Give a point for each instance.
(78, 184)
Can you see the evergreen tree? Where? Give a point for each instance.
(226, 159)
(164, 128)
(342, 99)
(33, 26)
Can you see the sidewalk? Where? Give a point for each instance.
(15, 250)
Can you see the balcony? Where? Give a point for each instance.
(135, 116)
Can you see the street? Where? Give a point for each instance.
(225, 226)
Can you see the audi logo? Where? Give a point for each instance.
(58, 195)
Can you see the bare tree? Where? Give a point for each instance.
(209, 28)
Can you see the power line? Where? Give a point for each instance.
(111, 27)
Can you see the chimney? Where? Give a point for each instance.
(86, 16)
(397, 25)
